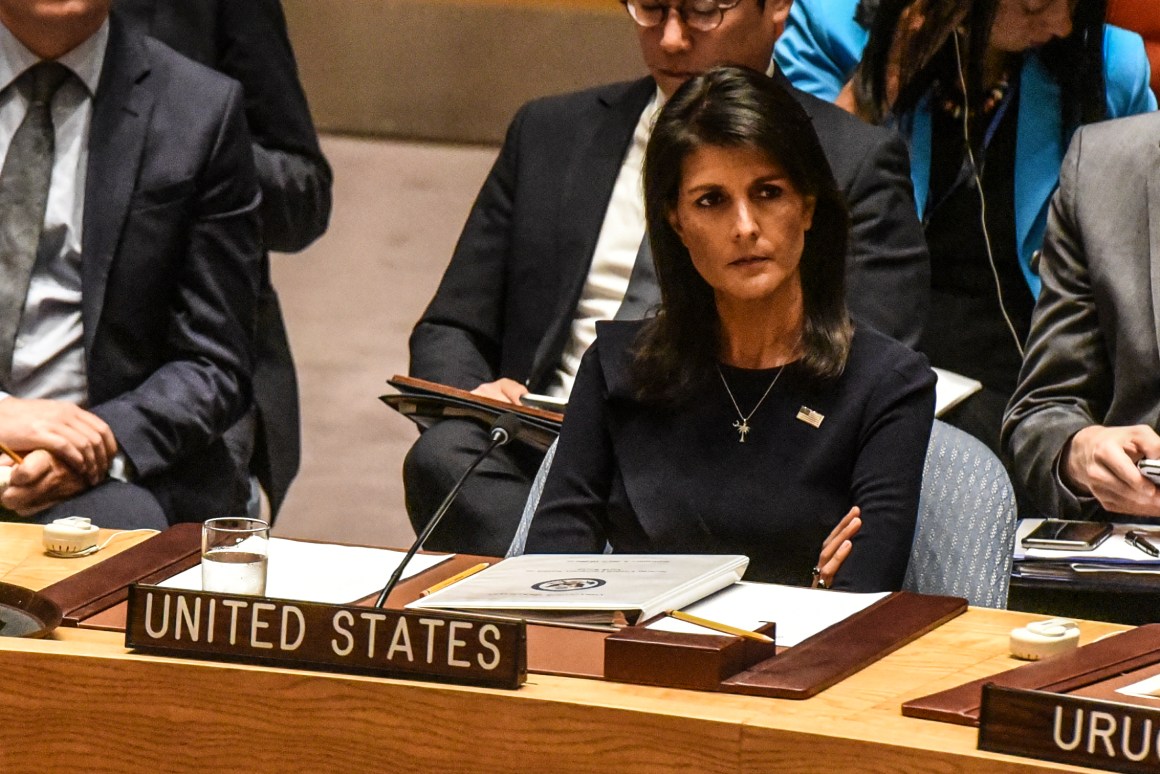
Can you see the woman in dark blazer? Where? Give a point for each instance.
(748, 416)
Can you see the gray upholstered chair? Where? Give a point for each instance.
(966, 520)
(517, 546)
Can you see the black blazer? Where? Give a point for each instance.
(247, 40)
(506, 301)
(172, 264)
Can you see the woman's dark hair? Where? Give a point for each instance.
(928, 56)
(864, 13)
(731, 107)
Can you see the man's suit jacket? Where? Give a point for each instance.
(1092, 356)
(247, 40)
(506, 301)
(170, 271)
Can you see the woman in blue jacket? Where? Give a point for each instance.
(984, 165)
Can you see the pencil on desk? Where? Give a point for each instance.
(15, 457)
(717, 626)
(454, 578)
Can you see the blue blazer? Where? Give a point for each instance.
(822, 45)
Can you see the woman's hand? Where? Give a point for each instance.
(835, 548)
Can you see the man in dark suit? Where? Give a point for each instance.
(248, 42)
(531, 271)
(1088, 402)
(132, 346)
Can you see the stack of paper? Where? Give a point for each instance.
(799, 613)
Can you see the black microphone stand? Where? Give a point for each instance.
(503, 429)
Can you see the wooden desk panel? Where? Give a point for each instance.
(152, 714)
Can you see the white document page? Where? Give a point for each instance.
(951, 389)
(1148, 689)
(322, 572)
(1114, 549)
(799, 613)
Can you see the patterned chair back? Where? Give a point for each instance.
(966, 522)
(517, 546)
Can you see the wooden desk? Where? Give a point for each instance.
(149, 714)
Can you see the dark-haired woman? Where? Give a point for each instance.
(748, 416)
(1033, 71)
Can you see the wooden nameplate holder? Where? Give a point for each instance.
(699, 662)
(1116, 734)
(1093, 670)
(833, 654)
(409, 644)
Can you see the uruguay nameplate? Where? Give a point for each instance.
(448, 647)
(1070, 729)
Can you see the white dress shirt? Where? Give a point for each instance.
(49, 358)
(614, 255)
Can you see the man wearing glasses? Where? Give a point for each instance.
(554, 243)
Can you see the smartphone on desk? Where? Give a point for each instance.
(1062, 535)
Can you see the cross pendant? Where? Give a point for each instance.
(742, 426)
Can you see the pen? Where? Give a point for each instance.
(717, 626)
(454, 578)
(1142, 542)
(15, 457)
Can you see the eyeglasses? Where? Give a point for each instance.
(702, 15)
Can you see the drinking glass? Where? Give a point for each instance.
(234, 555)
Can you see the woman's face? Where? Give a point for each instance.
(1024, 24)
(743, 222)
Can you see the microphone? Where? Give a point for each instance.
(504, 430)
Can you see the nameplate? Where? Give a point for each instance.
(446, 647)
(1069, 729)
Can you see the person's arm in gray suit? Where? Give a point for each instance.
(1073, 465)
(254, 49)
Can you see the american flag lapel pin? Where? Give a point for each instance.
(810, 417)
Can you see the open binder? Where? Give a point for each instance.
(424, 402)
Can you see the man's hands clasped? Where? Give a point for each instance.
(67, 450)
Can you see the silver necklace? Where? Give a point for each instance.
(742, 422)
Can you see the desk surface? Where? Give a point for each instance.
(152, 714)
(24, 563)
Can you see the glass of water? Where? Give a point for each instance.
(234, 555)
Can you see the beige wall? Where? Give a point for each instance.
(450, 70)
